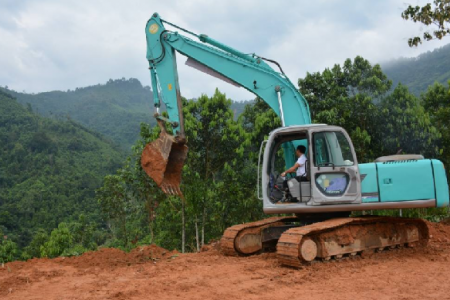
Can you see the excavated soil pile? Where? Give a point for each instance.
(154, 273)
(111, 258)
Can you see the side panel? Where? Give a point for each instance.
(406, 180)
(442, 194)
(369, 185)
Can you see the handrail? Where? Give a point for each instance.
(258, 190)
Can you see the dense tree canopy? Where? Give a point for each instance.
(115, 109)
(356, 97)
(405, 125)
(346, 96)
(49, 172)
(218, 183)
(437, 102)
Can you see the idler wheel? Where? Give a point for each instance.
(308, 250)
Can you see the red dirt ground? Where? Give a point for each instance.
(154, 273)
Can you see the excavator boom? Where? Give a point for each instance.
(163, 159)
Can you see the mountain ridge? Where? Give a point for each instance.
(417, 73)
(115, 109)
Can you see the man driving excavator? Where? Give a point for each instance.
(336, 187)
(299, 167)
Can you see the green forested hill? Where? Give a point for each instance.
(114, 109)
(420, 72)
(49, 170)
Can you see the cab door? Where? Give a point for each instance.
(334, 172)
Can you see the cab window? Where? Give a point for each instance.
(331, 148)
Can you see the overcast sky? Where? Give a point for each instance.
(63, 44)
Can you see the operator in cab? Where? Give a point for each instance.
(299, 167)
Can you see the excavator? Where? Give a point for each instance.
(315, 221)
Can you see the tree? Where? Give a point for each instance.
(114, 201)
(61, 239)
(215, 142)
(405, 124)
(43, 182)
(258, 120)
(438, 15)
(436, 102)
(346, 96)
(146, 194)
(8, 250)
(218, 183)
(82, 232)
(129, 199)
(34, 248)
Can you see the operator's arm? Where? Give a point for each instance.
(291, 169)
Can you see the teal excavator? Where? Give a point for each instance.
(318, 225)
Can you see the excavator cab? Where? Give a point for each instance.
(332, 174)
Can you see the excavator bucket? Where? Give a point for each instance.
(163, 161)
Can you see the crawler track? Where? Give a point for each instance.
(324, 240)
(338, 237)
(245, 239)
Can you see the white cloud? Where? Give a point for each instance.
(59, 45)
(315, 44)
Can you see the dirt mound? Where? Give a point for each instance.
(111, 257)
(156, 273)
(439, 232)
(150, 252)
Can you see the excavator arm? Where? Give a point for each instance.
(163, 159)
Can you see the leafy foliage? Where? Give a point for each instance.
(257, 120)
(217, 176)
(8, 251)
(437, 101)
(407, 125)
(218, 184)
(438, 15)
(115, 109)
(34, 248)
(346, 96)
(50, 170)
(60, 240)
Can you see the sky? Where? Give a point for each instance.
(50, 45)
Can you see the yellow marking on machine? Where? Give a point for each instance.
(153, 28)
